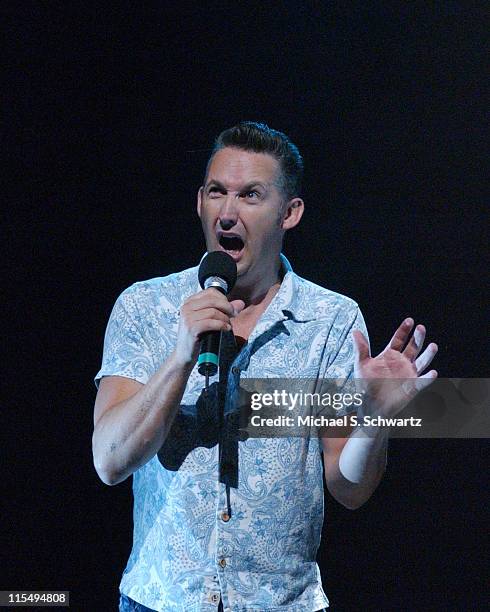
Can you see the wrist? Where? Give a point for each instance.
(362, 447)
(182, 363)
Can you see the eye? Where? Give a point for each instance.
(214, 192)
(251, 195)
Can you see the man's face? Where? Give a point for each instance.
(240, 209)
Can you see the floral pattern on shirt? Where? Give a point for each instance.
(262, 558)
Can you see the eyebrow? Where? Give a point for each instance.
(247, 187)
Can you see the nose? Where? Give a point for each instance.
(226, 224)
(228, 216)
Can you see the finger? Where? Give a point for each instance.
(361, 346)
(210, 298)
(430, 375)
(424, 360)
(413, 386)
(422, 382)
(401, 335)
(201, 327)
(414, 347)
(208, 313)
(238, 306)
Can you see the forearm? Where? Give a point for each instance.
(356, 471)
(131, 432)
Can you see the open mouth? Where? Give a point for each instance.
(231, 244)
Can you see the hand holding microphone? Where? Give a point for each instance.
(206, 314)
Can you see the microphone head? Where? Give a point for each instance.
(220, 264)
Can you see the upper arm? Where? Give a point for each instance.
(127, 351)
(339, 362)
(337, 377)
(112, 390)
(127, 361)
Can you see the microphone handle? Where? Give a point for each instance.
(207, 362)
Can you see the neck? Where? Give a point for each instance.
(263, 290)
(258, 298)
(245, 321)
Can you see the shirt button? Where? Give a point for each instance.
(222, 562)
(235, 370)
(225, 517)
(215, 598)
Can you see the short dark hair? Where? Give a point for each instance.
(260, 138)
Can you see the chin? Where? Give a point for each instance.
(240, 271)
(241, 268)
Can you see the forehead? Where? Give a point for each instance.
(235, 167)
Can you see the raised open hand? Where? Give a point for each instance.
(395, 376)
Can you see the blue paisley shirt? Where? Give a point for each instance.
(203, 527)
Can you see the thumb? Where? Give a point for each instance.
(361, 346)
(238, 306)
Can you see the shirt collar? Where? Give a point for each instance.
(290, 304)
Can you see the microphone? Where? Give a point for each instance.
(217, 270)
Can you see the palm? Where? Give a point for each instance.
(395, 376)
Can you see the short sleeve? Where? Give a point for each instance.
(342, 365)
(126, 352)
(338, 375)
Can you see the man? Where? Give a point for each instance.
(221, 523)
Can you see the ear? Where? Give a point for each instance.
(292, 215)
(199, 201)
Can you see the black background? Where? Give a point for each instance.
(110, 114)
